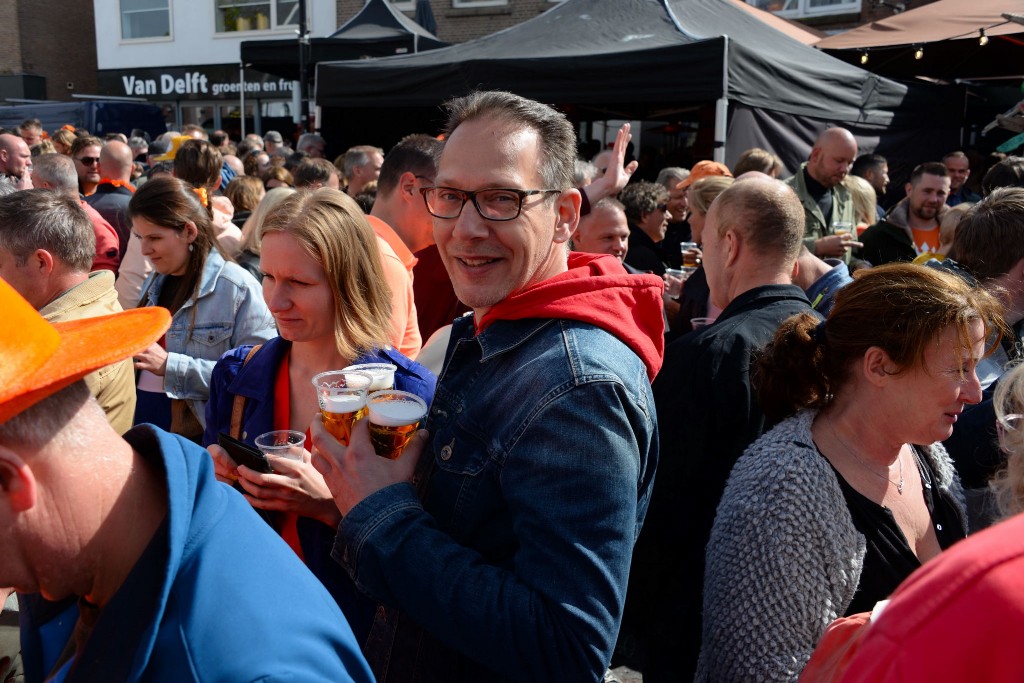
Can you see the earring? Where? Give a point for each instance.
(190, 247)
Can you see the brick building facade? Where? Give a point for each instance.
(45, 48)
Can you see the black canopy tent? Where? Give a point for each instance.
(377, 30)
(644, 59)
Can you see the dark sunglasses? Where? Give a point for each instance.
(89, 161)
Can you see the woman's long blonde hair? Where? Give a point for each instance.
(334, 231)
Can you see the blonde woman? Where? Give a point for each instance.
(324, 284)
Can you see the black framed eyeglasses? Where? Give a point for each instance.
(493, 203)
(89, 161)
(662, 207)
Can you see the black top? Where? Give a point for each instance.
(693, 303)
(675, 235)
(889, 559)
(885, 242)
(644, 253)
(819, 193)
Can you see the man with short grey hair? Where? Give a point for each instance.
(312, 144)
(361, 166)
(46, 251)
(56, 172)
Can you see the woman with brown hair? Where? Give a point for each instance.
(828, 512)
(244, 192)
(277, 176)
(214, 304)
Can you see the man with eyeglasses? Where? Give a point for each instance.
(16, 161)
(499, 543)
(85, 151)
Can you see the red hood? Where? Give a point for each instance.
(597, 290)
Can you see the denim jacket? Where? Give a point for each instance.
(229, 312)
(510, 553)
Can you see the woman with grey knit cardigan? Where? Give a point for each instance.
(828, 512)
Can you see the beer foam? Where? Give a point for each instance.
(395, 413)
(343, 404)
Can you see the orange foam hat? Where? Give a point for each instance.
(704, 169)
(39, 358)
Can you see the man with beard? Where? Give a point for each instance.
(912, 227)
(819, 185)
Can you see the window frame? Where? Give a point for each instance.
(464, 4)
(272, 27)
(805, 10)
(170, 23)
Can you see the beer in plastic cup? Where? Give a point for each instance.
(342, 398)
(394, 418)
(382, 374)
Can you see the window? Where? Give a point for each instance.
(145, 19)
(256, 15)
(808, 8)
(478, 3)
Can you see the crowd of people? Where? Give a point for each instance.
(731, 424)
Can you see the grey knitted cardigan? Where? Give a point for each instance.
(784, 558)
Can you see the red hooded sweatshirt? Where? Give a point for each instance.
(597, 290)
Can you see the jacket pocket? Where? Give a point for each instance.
(212, 335)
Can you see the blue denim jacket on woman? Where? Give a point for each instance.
(509, 558)
(228, 311)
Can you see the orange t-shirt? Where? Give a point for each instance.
(926, 240)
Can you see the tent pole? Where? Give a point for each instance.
(722, 106)
(241, 97)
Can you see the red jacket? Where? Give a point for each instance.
(958, 618)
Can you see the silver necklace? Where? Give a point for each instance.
(899, 459)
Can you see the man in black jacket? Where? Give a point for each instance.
(708, 413)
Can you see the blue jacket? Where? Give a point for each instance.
(255, 381)
(216, 597)
(228, 311)
(511, 559)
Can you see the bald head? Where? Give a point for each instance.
(751, 236)
(832, 156)
(116, 161)
(235, 164)
(767, 212)
(15, 157)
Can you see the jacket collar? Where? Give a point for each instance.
(759, 297)
(501, 336)
(207, 281)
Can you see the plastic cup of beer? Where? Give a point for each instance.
(842, 228)
(382, 374)
(282, 443)
(342, 398)
(394, 418)
(691, 255)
